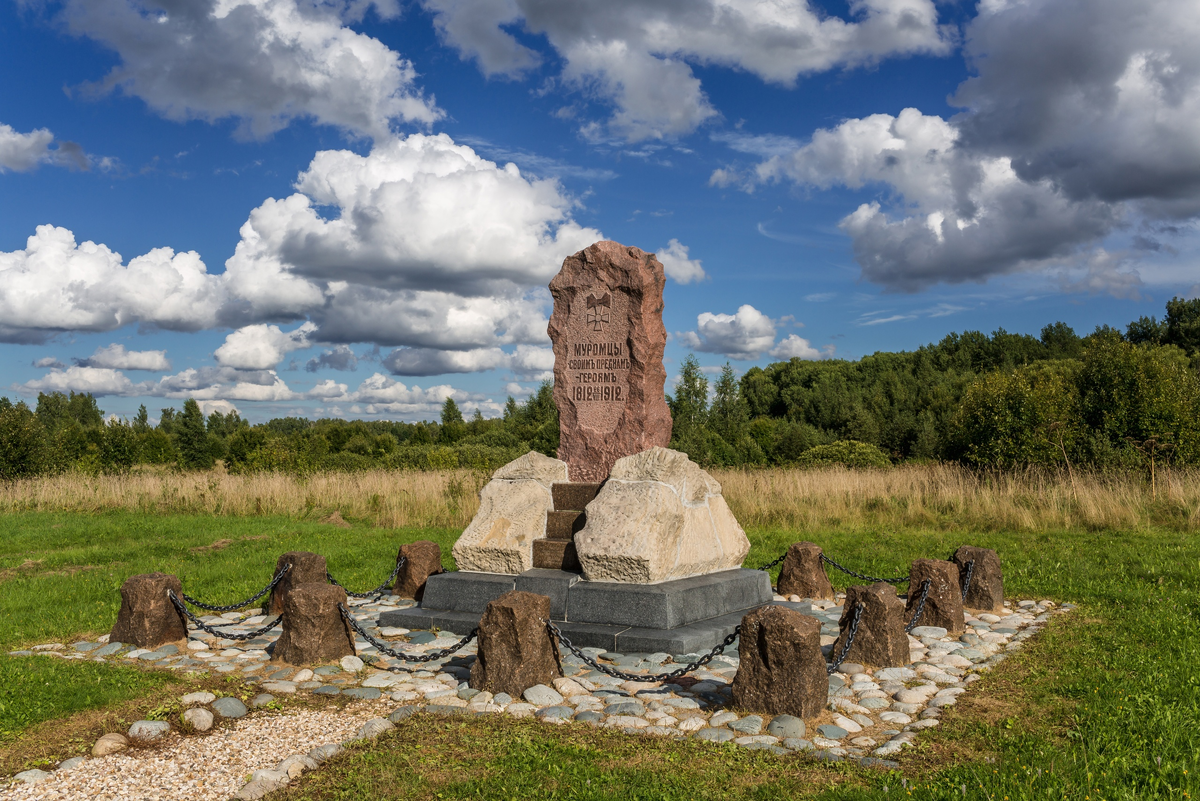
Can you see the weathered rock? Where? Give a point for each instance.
(803, 573)
(512, 514)
(147, 618)
(659, 517)
(422, 559)
(986, 591)
(608, 338)
(515, 650)
(313, 627)
(880, 640)
(307, 568)
(199, 719)
(782, 671)
(110, 743)
(943, 607)
(149, 730)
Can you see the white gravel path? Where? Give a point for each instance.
(204, 768)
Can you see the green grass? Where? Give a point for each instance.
(81, 560)
(1104, 704)
(34, 689)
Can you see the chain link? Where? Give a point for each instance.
(231, 607)
(383, 648)
(774, 562)
(674, 674)
(228, 635)
(967, 583)
(379, 591)
(848, 571)
(837, 663)
(912, 624)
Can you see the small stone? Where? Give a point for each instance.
(589, 716)
(785, 726)
(797, 744)
(109, 744)
(73, 762)
(692, 724)
(327, 690)
(874, 703)
(756, 739)
(625, 708)
(626, 722)
(714, 735)
(568, 687)
(541, 695)
(255, 790)
(197, 699)
(934, 632)
(261, 700)
(721, 718)
(303, 676)
(198, 719)
(363, 693)
(831, 732)
(32, 776)
(351, 664)
(520, 710)
(324, 752)
(846, 723)
(374, 727)
(229, 708)
(751, 724)
(564, 712)
(148, 730)
(898, 718)
(281, 687)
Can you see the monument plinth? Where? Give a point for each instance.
(632, 542)
(608, 338)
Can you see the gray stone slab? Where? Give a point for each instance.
(551, 583)
(670, 604)
(590, 635)
(697, 637)
(465, 592)
(418, 619)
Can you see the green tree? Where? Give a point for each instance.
(166, 420)
(689, 406)
(119, 447)
(1145, 330)
(1183, 324)
(1061, 341)
(141, 423)
(454, 427)
(730, 414)
(24, 444)
(191, 438)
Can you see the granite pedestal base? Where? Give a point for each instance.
(682, 616)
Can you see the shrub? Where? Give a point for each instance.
(846, 452)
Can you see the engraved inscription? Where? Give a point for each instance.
(598, 359)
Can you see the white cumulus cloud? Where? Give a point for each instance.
(22, 152)
(678, 266)
(115, 356)
(261, 347)
(261, 62)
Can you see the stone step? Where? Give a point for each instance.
(556, 555)
(573, 495)
(563, 525)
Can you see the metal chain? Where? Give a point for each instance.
(837, 663)
(229, 608)
(228, 635)
(383, 648)
(774, 562)
(848, 571)
(674, 674)
(379, 591)
(912, 624)
(967, 583)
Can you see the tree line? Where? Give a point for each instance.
(1109, 400)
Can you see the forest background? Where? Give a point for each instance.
(1111, 400)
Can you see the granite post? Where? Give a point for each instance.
(803, 573)
(986, 591)
(147, 618)
(608, 338)
(943, 606)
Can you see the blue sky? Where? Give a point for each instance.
(289, 207)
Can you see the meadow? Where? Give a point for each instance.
(1104, 704)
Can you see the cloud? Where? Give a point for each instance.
(530, 362)
(678, 266)
(429, 246)
(116, 357)
(261, 62)
(1079, 122)
(207, 407)
(48, 362)
(638, 56)
(23, 152)
(340, 358)
(746, 334)
(261, 347)
(97, 380)
(796, 347)
(56, 285)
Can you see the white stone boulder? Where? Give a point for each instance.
(512, 514)
(659, 517)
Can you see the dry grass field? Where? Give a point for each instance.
(939, 496)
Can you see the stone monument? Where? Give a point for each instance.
(608, 338)
(632, 542)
